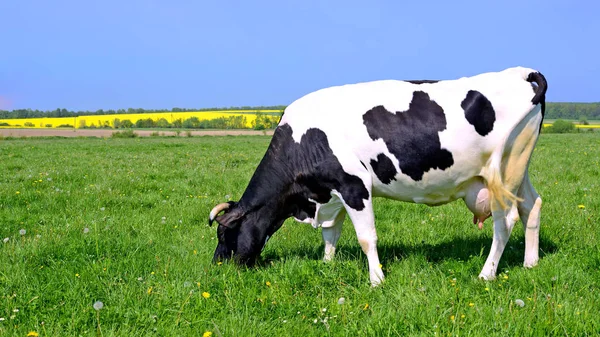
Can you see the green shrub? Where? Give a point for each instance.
(561, 126)
(124, 134)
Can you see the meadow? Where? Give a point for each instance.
(109, 237)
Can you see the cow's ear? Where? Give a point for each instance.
(231, 217)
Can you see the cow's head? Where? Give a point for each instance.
(242, 234)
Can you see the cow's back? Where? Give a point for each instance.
(419, 141)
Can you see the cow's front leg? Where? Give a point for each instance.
(503, 225)
(364, 224)
(331, 231)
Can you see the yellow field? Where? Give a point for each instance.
(108, 120)
(581, 126)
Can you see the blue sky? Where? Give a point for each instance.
(89, 55)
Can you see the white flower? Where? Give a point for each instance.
(324, 309)
(98, 305)
(140, 278)
(315, 321)
(6, 240)
(520, 302)
(15, 310)
(86, 230)
(341, 301)
(22, 231)
(2, 319)
(102, 209)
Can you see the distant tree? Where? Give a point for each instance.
(126, 124)
(191, 123)
(178, 123)
(145, 123)
(163, 123)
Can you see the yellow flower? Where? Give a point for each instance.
(198, 284)
(32, 334)
(452, 318)
(462, 316)
(366, 306)
(487, 289)
(380, 266)
(205, 295)
(195, 252)
(149, 291)
(471, 304)
(219, 263)
(20, 193)
(268, 283)
(207, 334)
(581, 206)
(76, 275)
(505, 277)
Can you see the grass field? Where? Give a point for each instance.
(123, 222)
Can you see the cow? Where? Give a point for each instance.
(426, 142)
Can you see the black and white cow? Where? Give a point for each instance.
(428, 142)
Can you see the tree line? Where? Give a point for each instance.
(554, 110)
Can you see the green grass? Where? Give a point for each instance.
(123, 221)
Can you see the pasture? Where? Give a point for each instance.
(124, 222)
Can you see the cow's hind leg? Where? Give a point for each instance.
(529, 212)
(331, 231)
(503, 225)
(364, 224)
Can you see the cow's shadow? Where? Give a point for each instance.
(458, 249)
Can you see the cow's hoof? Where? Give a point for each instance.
(487, 277)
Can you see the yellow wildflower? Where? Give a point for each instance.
(366, 306)
(268, 283)
(462, 316)
(18, 192)
(452, 318)
(77, 275)
(471, 304)
(195, 252)
(198, 284)
(32, 334)
(207, 334)
(581, 206)
(149, 291)
(205, 295)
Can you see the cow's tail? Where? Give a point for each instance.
(493, 171)
(540, 91)
(495, 184)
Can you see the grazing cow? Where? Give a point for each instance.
(427, 142)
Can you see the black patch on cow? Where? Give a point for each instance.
(384, 168)
(412, 135)
(288, 176)
(422, 81)
(479, 112)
